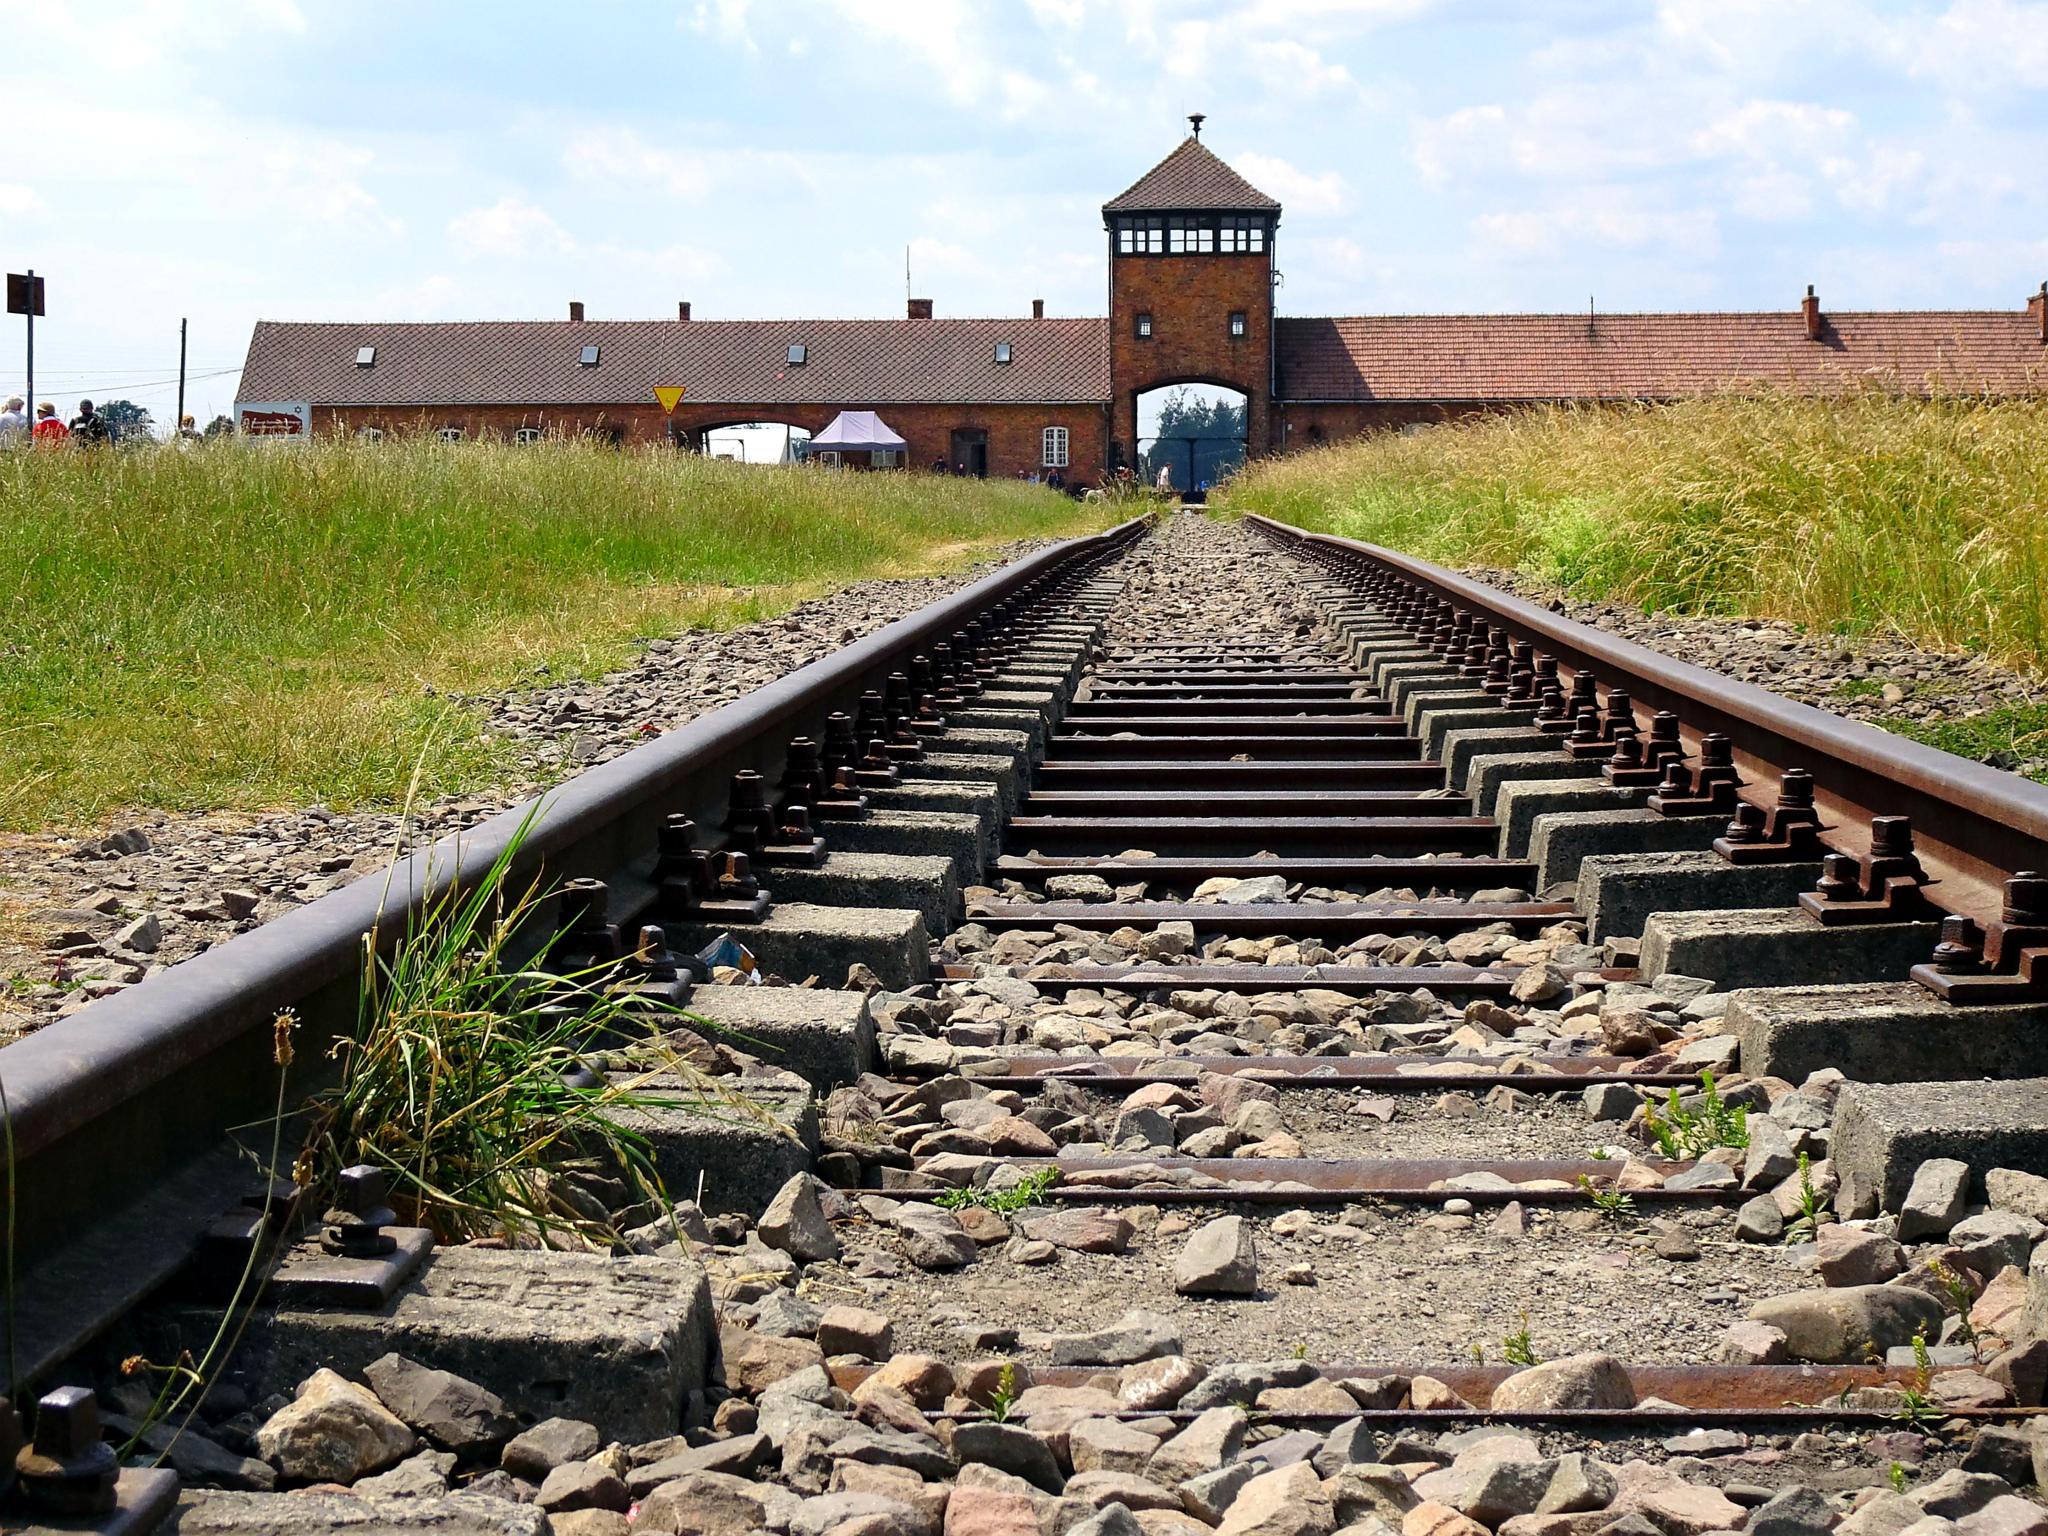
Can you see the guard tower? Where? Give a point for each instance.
(1190, 288)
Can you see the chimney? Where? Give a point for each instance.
(1810, 308)
(1038, 309)
(682, 309)
(920, 309)
(575, 311)
(2037, 311)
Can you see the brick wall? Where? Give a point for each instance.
(1298, 425)
(1015, 432)
(1190, 299)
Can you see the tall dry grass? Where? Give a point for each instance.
(1924, 518)
(250, 625)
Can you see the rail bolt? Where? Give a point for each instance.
(68, 1469)
(353, 1227)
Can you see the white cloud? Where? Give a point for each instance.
(618, 154)
(20, 201)
(1976, 45)
(1599, 218)
(726, 20)
(510, 228)
(1299, 191)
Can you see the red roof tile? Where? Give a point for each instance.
(535, 362)
(1630, 357)
(1191, 180)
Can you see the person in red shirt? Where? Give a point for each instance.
(49, 429)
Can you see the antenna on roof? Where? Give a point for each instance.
(906, 274)
(1195, 122)
(1589, 317)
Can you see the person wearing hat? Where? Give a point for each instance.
(13, 423)
(48, 431)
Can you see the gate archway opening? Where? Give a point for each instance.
(1192, 432)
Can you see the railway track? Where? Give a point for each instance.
(1263, 1034)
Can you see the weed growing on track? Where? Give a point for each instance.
(466, 1081)
(244, 626)
(1868, 513)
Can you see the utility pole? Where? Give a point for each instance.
(178, 426)
(25, 297)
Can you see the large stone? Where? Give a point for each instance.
(423, 1475)
(795, 1222)
(206, 1513)
(1082, 1228)
(754, 1361)
(1936, 1199)
(1371, 1490)
(1491, 1487)
(1011, 1448)
(334, 1431)
(455, 1414)
(1209, 1440)
(933, 1238)
(1793, 1512)
(1577, 1381)
(1856, 1256)
(870, 1514)
(1219, 1260)
(2007, 1515)
(1137, 1335)
(1160, 1382)
(534, 1453)
(1099, 1490)
(1109, 1445)
(1847, 1325)
(973, 1511)
(1430, 1518)
(1577, 1484)
(1994, 1240)
(1206, 1497)
(714, 1504)
(583, 1485)
(1287, 1502)
(2008, 1189)
(844, 1330)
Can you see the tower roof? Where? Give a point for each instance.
(1191, 180)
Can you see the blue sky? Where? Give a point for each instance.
(240, 159)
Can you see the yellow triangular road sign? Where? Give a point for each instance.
(669, 396)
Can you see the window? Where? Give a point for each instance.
(1236, 323)
(370, 434)
(528, 435)
(829, 457)
(1055, 454)
(1238, 232)
(1140, 236)
(588, 357)
(881, 458)
(366, 357)
(799, 354)
(1003, 353)
(450, 434)
(1142, 328)
(1190, 236)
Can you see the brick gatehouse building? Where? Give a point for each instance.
(1191, 268)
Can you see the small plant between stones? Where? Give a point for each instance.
(1004, 1397)
(1004, 1202)
(1518, 1349)
(1914, 1407)
(1956, 1290)
(1681, 1132)
(1614, 1204)
(1813, 1207)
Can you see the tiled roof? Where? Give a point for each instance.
(535, 362)
(1191, 180)
(1555, 357)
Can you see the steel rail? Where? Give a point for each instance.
(118, 1115)
(1973, 825)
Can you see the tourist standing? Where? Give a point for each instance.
(13, 424)
(90, 427)
(48, 432)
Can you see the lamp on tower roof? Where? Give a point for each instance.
(1195, 122)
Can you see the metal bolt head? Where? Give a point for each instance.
(2026, 899)
(67, 1422)
(362, 1189)
(1891, 836)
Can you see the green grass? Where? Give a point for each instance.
(2004, 736)
(249, 626)
(1872, 513)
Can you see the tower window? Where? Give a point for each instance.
(799, 354)
(1236, 323)
(1002, 352)
(1142, 328)
(1239, 232)
(1140, 236)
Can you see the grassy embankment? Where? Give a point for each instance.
(1867, 515)
(242, 627)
